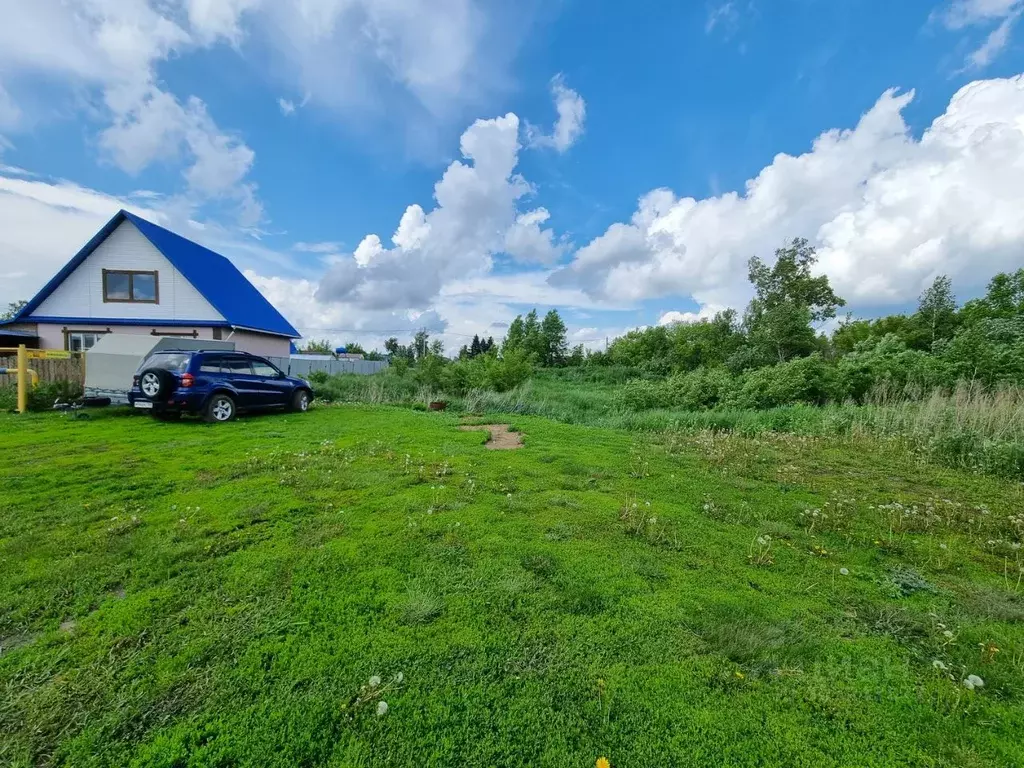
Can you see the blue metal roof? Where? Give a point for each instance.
(217, 279)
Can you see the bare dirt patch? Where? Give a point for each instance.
(13, 642)
(502, 438)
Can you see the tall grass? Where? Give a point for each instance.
(967, 427)
(969, 408)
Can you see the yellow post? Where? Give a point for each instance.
(22, 379)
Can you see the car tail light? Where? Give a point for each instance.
(135, 381)
(187, 380)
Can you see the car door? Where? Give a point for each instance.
(275, 389)
(210, 370)
(238, 373)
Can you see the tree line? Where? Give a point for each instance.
(773, 355)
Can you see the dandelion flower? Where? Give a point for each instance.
(375, 681)
(844, 571)
(382, 708)
(948, 634)
(939, 665)
(602, 762)
(972, 682)
(399, 677)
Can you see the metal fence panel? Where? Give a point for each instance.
(305, 367)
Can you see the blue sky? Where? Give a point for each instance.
(283, 134)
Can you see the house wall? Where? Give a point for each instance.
(81, 293)
(51, 335)
(259, 343)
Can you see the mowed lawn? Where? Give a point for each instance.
(184, 594)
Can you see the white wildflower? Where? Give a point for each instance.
(939, 665)
(375, 681)
(844, 571)
(399, 677)
(382, 708)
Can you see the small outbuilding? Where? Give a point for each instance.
(111, 363)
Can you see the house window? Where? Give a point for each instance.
(79, 341)
(121, 285)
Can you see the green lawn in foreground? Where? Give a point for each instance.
(184, 594)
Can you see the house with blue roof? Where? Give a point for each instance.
(139, 278)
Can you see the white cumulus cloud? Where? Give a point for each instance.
(476, 217)
(113, 49)
(887, 211)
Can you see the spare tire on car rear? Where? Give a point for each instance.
(156, 383)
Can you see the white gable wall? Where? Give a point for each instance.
(81, 293)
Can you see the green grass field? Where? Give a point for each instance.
(184, 594)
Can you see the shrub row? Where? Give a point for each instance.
(41, 398)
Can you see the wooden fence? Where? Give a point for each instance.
(48, 370)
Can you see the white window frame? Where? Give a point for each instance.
(81, 337)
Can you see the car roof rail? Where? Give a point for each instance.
(190, 351)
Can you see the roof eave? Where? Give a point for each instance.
(67, 269)
(51, 319)
(293, 335)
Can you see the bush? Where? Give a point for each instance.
(807, 380)
(317, 377)
(507, 372)
(462, 376)
(886, 365)
(43, 397)
(991, 351)
(643, 394)
(701, 389)
(429, 372)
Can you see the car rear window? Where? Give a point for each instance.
(171, 361)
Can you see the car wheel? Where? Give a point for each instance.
(155, 383)
(300, 401)
(220, 408)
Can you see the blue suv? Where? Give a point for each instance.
(215, 384)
